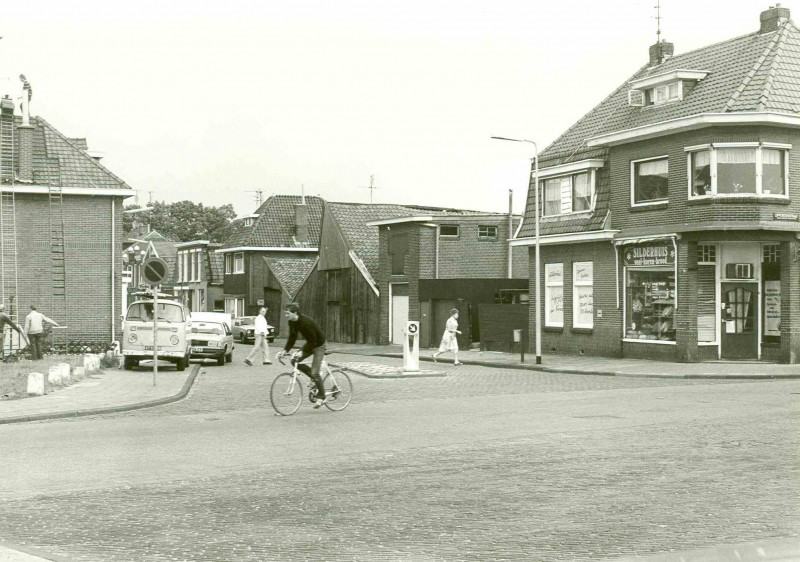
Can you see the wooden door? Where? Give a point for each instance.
(739, 314)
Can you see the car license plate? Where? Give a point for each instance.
(197, 350)
(150, 348)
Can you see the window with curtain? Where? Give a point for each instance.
(567, 194)
(773, 178)
(554, 294)
(736, 170)
(581, 193)
(701, 172)
(650, 180)
(552, 197)
(238, 263)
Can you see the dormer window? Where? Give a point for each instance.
(248, 221)
(570, 188)
(664, 88)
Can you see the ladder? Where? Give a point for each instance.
(58, 268)
(8, 236)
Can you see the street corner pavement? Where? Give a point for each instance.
(108, 391)
(374, 370)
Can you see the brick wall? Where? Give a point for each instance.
(470, 256)
(88, 255)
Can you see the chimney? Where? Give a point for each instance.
(7, 141)
(773, 18)
(301, 224)
(660, 52)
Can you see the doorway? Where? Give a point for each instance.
(739, 314)
(399, 311)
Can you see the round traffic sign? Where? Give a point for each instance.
(413, 327)
(155, 270)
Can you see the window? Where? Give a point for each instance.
(650, 180)
(196, 265)
(567, 194)
(180, 267)
(554, 294)
(706, 253)
(650, 304)
(228, 263)
(448, 231)
(238, 263)
(234, 306)
(771, 297)
(738, 169)
(486, 232)
(666, 93)
(582, 295)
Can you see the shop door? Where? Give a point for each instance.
(739, 313)
(399, 312)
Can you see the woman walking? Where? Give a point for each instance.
(449, 340)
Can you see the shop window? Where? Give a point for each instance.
(738, 169)
(650, 306)
(771, 298)
(554, 295)
(511, 296)
(650, 180)
(582, 295)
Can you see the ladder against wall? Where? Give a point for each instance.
(58, 268)
(8, 267)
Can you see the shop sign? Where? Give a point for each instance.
(785, 217)
(656, 253)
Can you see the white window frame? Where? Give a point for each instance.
(180, 267)
(235, 306)
(567, 188)
(196, 264)
(487, 232)
(711, 148)
(633, 181)
(575, 297)
(548, 288)
(228, 264)
(238, 262)
(667, 94)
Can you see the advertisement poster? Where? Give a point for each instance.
(772, 308)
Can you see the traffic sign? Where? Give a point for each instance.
(412, 327)
(155, 270)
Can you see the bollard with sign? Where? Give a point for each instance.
(411, 348)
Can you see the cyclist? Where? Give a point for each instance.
(315, 345)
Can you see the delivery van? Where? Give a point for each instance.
(173, 327)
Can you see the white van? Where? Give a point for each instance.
(173, 328)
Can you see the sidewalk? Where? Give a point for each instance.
(116, 390)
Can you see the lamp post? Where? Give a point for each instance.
(538, 282)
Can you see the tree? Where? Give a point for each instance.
(185, 220)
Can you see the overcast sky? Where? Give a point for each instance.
(210, 101)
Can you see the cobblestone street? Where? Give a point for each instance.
(481, 464)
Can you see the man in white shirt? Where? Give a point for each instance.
(34, 331)
(261, 339)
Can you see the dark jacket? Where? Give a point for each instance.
(6, 319)
(309, 330)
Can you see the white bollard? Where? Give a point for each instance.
(79, 373)
(89, 363)
(54, 375)
(65, 373)
(36, 384)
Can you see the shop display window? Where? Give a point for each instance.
(650, 307)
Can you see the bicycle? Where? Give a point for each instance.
(286, 393)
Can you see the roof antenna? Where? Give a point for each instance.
(658, 21)
(372, 187)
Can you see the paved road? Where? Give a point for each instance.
(484, 464)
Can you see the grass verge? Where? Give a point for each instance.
(14, 376)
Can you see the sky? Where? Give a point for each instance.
(215, 101)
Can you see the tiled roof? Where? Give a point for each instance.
(274, 227)
(755, 72)
(758, 72)
(291, 272)
(64, 162)
(352, 219)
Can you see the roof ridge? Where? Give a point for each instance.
(83, 153)
(753, 71)
(769, 83)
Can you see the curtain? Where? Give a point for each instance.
(653, 168)
(736, 156)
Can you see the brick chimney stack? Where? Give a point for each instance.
(660, 52)
(301, 223)
(773, 18)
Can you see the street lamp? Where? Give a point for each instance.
(538, 283)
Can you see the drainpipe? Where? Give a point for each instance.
(113, 270)
(436, 258)
(510, 232)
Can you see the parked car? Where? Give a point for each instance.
(244, 329)
(211, 340)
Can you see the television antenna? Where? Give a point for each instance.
(372, 187)
(259, 195)
(658, 21)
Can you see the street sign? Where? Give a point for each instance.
(412, 327)
(155, 270)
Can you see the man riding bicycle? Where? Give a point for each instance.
(315, 345)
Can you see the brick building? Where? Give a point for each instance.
(670, 213)
(437, 259)
(199, 276)
(61, 229)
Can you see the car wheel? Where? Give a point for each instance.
(130, 363)
(241, 337)
(221, 359)
(182, 363)
(270, 340)
(229, 357)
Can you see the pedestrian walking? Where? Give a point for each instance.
(34, 331)
(449, 339)
(6, 319)
(260, 343)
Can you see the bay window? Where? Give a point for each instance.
(732, 169)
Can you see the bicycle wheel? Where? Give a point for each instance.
(338, 389)
(286, 394)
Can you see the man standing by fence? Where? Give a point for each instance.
(34, 330)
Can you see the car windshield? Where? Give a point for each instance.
(207, 328)
(143, 311)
